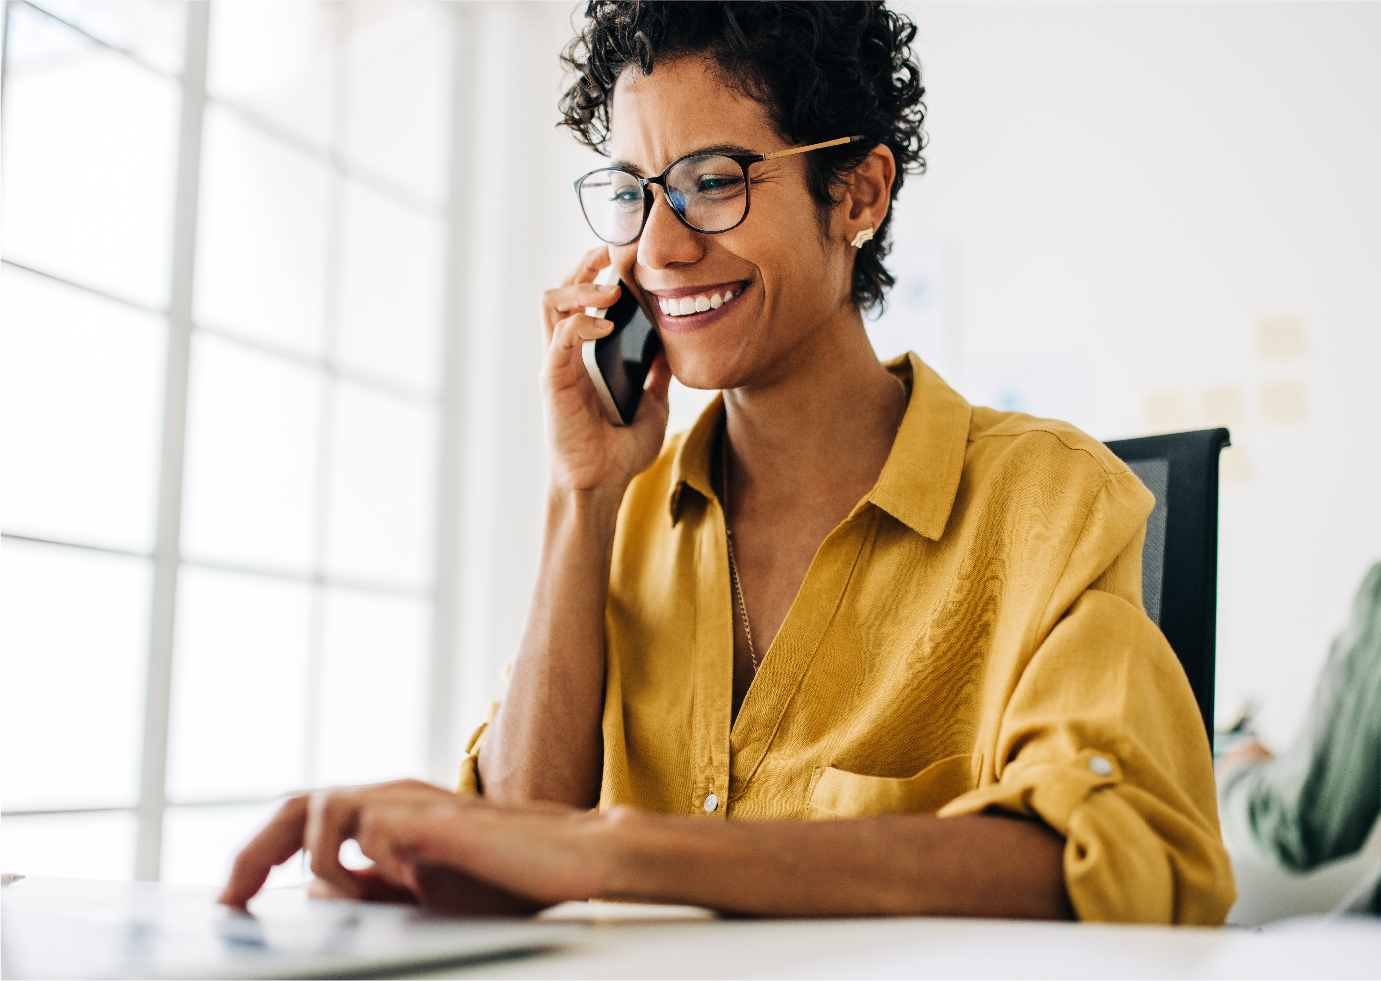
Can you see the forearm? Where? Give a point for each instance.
(975, 865)
(545, 742)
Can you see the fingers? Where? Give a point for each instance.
(590, 265)
(337, 815)
(380, 839)
(388, 835)
(538, 854)
(279, 841)
(569, 299)
(579, 328)
(333, 816)
(565, 300)
(654, 406)
(455, 892)
(658, 375)
(375, 888)
(331, 819)
(445, 851)
(319, 823)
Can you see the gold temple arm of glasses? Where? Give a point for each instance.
(813, 146)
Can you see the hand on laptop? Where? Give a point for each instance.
(428, 846)
(434, 887)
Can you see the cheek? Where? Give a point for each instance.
(794, 267)
(794, 240)
(624, 258)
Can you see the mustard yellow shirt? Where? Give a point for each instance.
(970, 637)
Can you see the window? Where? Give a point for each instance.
(226, 229)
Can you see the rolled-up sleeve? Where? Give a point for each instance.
(1102, 740)
(469, 780)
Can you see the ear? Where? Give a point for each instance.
(868, 194)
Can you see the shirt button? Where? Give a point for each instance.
(1099, 765)
(711, 803)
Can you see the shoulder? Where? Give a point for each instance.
(1030, 440)
(1012, 452)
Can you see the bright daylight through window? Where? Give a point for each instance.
(225, 235)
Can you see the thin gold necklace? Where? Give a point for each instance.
(729, 532)
(733, 566)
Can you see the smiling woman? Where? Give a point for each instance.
(850, 645)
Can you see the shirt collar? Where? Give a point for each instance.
(920, 479)
(691, 465)
(918, 482)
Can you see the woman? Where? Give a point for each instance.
(843, 594)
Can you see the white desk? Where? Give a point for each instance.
(630, 941)
(928, 948)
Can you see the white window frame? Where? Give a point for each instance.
(443, 751)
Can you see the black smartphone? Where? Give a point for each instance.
(619, 361)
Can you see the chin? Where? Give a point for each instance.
(706, 371)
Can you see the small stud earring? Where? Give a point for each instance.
(864, 235)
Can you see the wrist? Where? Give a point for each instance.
(653, 857)
(593, 507)
(618, 837)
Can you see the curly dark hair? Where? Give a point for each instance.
(822, 70)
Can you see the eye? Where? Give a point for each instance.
(718, 184)
(628, 195)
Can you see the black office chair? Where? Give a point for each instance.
(1179, 565)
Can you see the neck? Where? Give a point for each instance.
(821, 427)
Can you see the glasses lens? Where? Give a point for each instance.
(709, 191)
(613, 203)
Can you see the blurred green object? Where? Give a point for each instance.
(1239, 729)
(1319, 800)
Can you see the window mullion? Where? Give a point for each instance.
(443, 736)
(158, 691)
(311, 755)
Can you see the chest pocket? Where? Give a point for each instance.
(841, 794)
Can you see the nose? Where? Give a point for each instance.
(665, 240)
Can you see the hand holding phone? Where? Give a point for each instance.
(619, 361)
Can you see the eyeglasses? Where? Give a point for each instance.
(707, 191)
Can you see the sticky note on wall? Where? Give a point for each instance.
(1283, 403)
(1280, 337)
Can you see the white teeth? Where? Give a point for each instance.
(698, 304)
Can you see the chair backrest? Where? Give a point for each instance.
(1179, 565)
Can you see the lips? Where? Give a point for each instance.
(687, 301)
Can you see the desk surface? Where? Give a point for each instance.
(641, 941)
(620, 946)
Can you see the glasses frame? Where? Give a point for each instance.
(744, 160)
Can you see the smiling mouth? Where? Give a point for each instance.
(685, 306)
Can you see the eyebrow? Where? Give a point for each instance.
(728, 149)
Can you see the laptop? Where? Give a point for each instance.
(69, 928)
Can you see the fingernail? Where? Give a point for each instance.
(609, 288)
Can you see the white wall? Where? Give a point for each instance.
(1134, 215)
